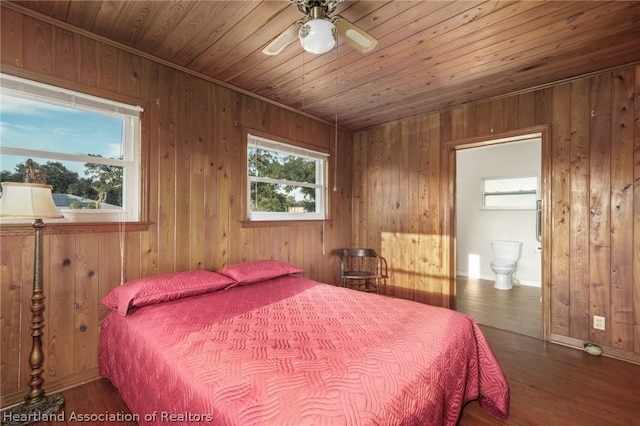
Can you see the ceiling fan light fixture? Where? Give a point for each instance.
(318, 36)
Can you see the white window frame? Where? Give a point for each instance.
(254, 141)
(516, 193)
(131, 182)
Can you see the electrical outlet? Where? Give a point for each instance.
(598, 322)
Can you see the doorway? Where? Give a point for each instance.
(483, 215)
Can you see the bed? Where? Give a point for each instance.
(255, 344)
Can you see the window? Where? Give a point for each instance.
(510, 193)
(284, 182)
(88, 148)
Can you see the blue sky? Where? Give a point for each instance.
(25, 123)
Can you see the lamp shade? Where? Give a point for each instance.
(28, 200)
(317, 36)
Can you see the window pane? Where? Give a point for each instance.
(512, 200)
(511, 184)
(75, 185)
(276, 198)
(276, 165)
(37, 125)
(519, 192)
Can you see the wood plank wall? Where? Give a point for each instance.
(401, 203)
(193, 137)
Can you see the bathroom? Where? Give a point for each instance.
(486, 214)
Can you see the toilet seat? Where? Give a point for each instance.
(503, 263)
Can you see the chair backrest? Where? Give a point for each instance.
(362, 259)
(357, 252)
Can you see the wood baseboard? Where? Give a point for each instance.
(609, 351)
(51, 386)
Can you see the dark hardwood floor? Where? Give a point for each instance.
(552, 384)
(518, 310)
(549, 384)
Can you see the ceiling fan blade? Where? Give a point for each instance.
(287, 37)
(355, 35)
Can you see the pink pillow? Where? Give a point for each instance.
(163, 288)
(258, 270)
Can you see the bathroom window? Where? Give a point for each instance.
(510, 193)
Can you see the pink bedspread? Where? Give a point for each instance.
(292, 351)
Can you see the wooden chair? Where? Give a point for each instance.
(362, 269)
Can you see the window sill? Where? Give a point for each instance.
(74, 228)
(503, 208)
(279, 223)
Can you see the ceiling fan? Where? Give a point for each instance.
(318, 31)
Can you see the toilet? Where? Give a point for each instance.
(505, 260)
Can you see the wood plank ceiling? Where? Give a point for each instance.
(431, 54)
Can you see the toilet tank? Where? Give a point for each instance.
(508, 250)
